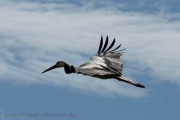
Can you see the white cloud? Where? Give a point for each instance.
(34, 36)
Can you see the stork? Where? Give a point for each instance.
(106, 64)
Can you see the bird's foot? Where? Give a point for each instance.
(139, 85)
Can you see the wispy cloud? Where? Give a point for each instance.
(34, 36)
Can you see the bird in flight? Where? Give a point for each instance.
(105, 64)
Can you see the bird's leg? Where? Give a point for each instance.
(120, 74)
(123, 79)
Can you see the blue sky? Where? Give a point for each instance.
(35, 35)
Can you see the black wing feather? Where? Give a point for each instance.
(105, 45)
(100, 45)
(110, 45)
(116, 48)
(107, 52)
(120, 50)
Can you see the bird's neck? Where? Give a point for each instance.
(62, 63)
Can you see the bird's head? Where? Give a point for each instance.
(57, 65)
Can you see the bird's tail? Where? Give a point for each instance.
(123, 79)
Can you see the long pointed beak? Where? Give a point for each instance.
(53, 67)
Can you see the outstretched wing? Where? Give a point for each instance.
(103, 52)
(111, 57)
(94, 69)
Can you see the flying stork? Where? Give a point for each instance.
(105, 64)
